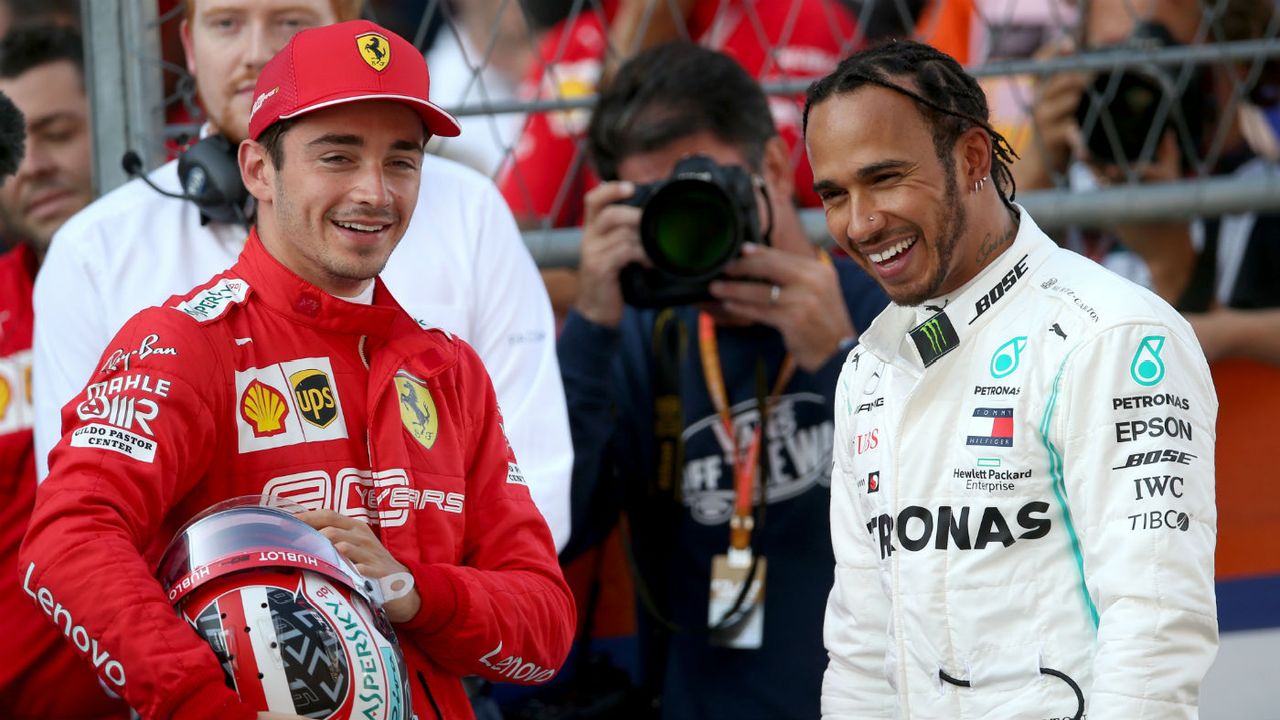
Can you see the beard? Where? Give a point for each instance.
(953, 227)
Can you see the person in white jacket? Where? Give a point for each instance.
(1022, 505)
(461, 267)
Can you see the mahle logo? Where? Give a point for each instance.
(1005, 359)
(1147, 368)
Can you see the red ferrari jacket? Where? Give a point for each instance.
(258, 382)
(41, 677)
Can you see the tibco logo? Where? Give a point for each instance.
(110, 669)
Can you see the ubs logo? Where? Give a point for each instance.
(314, 395)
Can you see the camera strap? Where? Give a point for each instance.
(745, 460)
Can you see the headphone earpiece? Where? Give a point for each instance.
(210, 177)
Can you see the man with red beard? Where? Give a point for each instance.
(1022, 505)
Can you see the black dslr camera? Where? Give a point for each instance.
(691, 225)
(1122, 109)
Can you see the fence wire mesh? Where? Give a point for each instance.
(1164, 99)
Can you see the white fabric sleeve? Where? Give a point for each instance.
(1138, 422)
(856, 626)
(70, 335)
(514, 334)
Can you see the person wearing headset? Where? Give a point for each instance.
(462, 266)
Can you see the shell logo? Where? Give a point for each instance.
(264, 408)
(6, 394)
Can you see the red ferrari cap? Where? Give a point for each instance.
(343, 63)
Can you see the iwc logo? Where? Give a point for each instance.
(375, 50)
(417, 409)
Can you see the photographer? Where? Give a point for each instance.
(1216, 270)
(665, 403)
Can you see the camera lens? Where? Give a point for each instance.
(690, 228)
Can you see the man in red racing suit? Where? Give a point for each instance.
(261, 381)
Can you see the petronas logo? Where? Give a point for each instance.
(1147, 368)
(1005, 359)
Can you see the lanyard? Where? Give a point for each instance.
(744, 461)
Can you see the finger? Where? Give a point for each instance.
(746, 292)
(766, 263)
(606, 194)
(753, 312)
(320, 519)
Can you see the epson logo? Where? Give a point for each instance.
(916, 527)
(1173, 427)
(108, 668)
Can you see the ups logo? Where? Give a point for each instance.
(314, 395)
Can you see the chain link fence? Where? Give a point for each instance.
(1112, 81)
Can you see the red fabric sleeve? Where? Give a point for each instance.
(136, 438)
(508, 600)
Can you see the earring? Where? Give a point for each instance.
(977, 186)
(871, 218)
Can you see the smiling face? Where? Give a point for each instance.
(344, 193)
(55, 178)
(891, 203)
(228, 41)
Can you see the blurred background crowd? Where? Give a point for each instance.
(1148, 132)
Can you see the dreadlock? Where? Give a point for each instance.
(13, 134)
(959, 105)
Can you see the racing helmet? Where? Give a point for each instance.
(295, 627)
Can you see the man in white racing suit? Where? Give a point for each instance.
(1023, 495)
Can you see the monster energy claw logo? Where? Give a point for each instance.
(933, 330)
(934, 338)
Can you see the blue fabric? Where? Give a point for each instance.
(608, 378)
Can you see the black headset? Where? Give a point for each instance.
(210, 178)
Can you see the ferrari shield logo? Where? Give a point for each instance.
(375, 50)
(417, 409)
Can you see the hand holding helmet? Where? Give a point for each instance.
(356, 542)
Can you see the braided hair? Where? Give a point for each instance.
(957, 103)
(13, 135)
